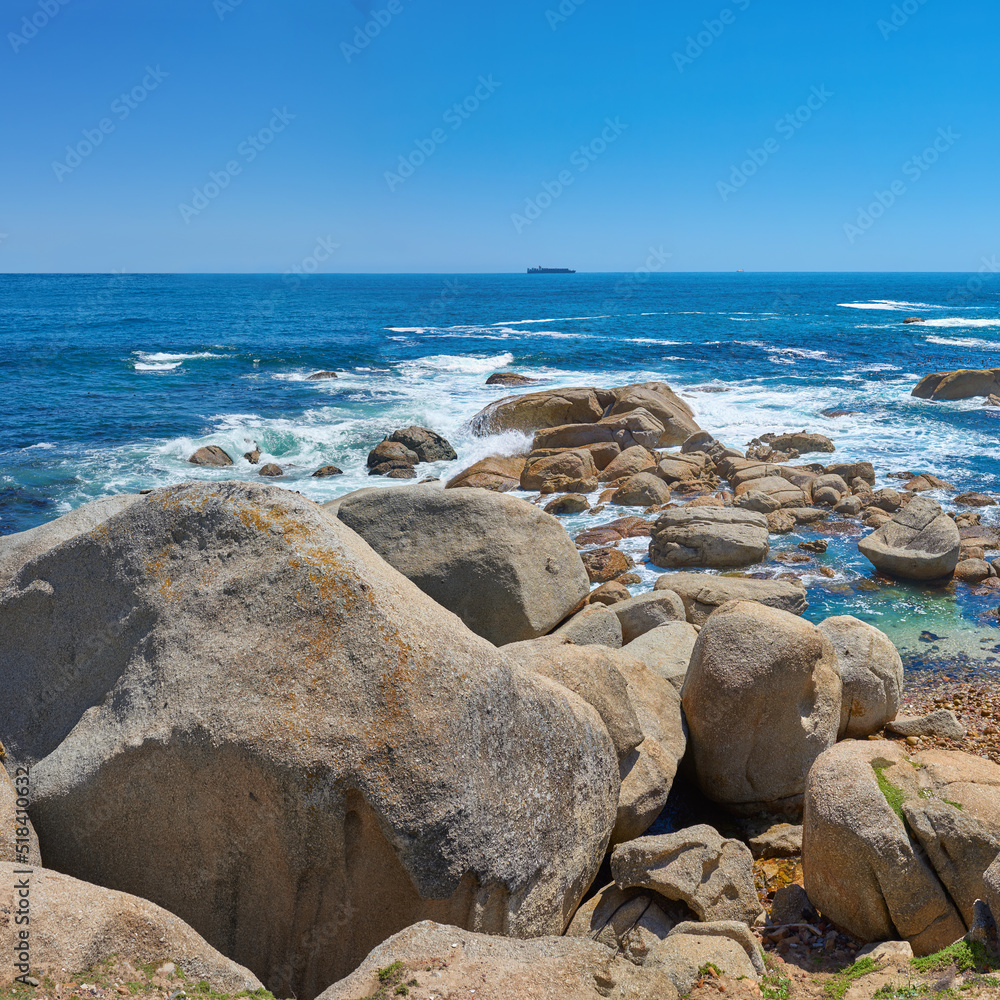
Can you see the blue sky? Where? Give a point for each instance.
(586, 134)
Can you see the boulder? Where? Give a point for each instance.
(501, 474)
(349, 757)
(783, 840)
(326, 471)
(253, 457)
(682, 957)
(849, 471)
(973, 571)
(734, 930)
(703, 593)
(211, 455)
(551, 408)
(872, 674)
(321, 376)
(391, 452)
(864, 868)
(681, 468)
(991, 887)
(18, 840)
(628, 463)
(571, 503)
(802, 442)
(637, 428)
(602, 452)
(720, 538)
(630, 920)
(920, 543)
(791, 906)
(925, 481)
(697, 866)
(394, 469)
(76, 926)
(449, 962)
(510, 378)
(975, 500)
(640, 614)
(507, 569)
(22, 546)
(964, 383)
(610, 593)
(426, 444)
(897, 953)
(641, 490)
(659, 400)
(666, 650)
(603, 565)
(271, 471)
(757, 500)
(590, 672)
(762, 699)
(942, 723)
(567, 472)
(776, 487)
(594, 625)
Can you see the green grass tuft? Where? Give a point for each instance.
(966, 956)
(839, 985)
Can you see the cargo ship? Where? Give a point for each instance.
(551, 270)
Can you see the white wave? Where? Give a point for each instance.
(43, 445)
(140, 367)
(653, 340)
(953, 321)
(409, 329)
(555, 319)
(988, 345)
(459, 363)
(162, 356)
(889, 305)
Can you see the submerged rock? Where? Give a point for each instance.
(510, 378)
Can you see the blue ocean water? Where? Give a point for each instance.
(110, 382)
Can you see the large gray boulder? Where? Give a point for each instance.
(451, 962)
(697, 866)
(715, 537)
(762, 700)
(17, 549)
(75, 926)
(666, 650)
(224, 672)
(863, 869)
(638, 615)
(683, 957)
(703, 593)
(507, 569)
(872, 675)
(920, 543)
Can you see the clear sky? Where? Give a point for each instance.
(262, 135)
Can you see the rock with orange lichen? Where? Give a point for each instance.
(234, 708)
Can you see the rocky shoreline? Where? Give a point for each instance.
(443, 750)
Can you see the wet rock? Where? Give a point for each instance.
(606, 564)
(849, 471)
(253, 457)
(391, 452)
(571, 503)
(641, 490)
(567, 472)
(973, 571)
(427, 445)
(920, 543)
(925, 481)
(322, 376)
(961, 384)
(510, 378)
(848, 507)
(326, 471)
(500, 474)
(763, 700)
(719, 538)
(211, 455)
(802, 442)
(781, 522)
(975, 500)
(271, 470)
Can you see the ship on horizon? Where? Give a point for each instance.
(550, 270)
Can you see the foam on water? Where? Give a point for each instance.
(952, 321)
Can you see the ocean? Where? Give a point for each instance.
(110, 382)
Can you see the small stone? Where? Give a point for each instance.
(327, 470)
(939, 723)
(913, 741)
(271, 470)
(253, 457)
